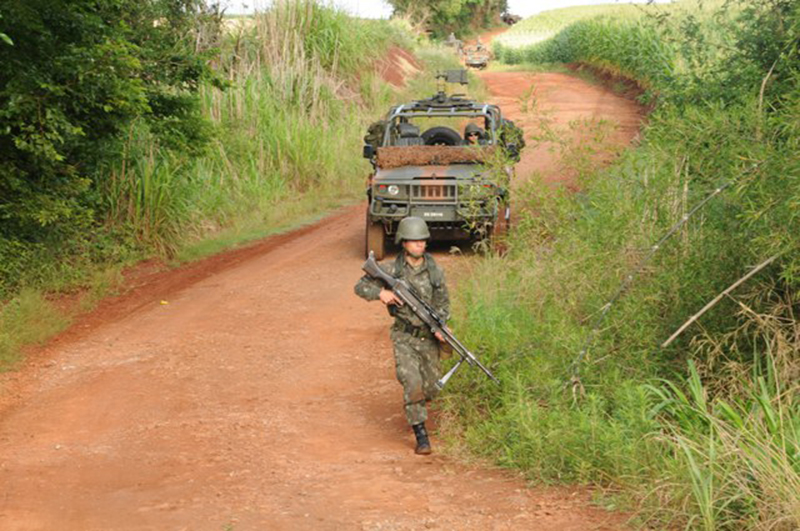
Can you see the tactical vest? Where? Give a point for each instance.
(434, 274)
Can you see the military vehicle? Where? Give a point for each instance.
(424, 167)
(475, 57)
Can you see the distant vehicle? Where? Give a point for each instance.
(476, 57)
(424, 167)
(510, 19)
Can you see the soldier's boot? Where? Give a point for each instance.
(423, 444)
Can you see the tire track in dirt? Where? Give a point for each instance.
(261, 397)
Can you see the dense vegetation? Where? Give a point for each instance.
(703, 432)
(441, 17)
(511, 45)
(76, 76)
(134, 129)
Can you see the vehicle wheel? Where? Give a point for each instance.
(375, 240)
(442, 136)
(500, 229)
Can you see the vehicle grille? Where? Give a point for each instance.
(433, 192)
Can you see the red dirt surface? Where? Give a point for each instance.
(567, 122)
(397, 66)
(261, 396)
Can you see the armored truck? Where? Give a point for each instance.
(424, 166)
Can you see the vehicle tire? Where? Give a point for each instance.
(500, 229)
(442, 136)
(375, 240)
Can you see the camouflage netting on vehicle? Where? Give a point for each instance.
(396, 157)
(375, 132)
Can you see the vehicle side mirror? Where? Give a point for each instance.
(513, 151)
(369, 151)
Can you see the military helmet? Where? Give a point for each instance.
(412, 228)
(473, 129)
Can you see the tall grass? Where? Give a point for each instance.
(740, 453)
(15, 324)
(628, 40)
(713, 446)
(547, 24)
(285, 122)
(286, 128)
(628, 49)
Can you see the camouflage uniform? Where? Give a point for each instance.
(416, 350)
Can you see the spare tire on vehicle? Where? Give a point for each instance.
(442, 136)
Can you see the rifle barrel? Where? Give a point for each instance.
(429, 315)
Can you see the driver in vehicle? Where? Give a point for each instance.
(474, 135)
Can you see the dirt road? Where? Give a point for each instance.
(570, 123)
(261, 396)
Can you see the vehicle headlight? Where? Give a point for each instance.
(393, 189)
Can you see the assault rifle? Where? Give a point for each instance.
(424, 311)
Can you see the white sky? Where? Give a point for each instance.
(381, 9)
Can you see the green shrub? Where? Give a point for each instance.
(140, 148)
(75, 76)
(717, 450)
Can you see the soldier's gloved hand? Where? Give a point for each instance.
(388, 297)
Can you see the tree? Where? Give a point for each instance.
(441, 17)
(75, 74)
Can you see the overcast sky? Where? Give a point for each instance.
(381, 9)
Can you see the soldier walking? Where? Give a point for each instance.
(416, 348)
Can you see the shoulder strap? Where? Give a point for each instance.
(434, 273)
(399, 262)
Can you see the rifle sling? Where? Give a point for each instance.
(422, 332)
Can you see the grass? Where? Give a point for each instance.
(281, 219)
(640, 42)
(740, 456)
(287, 135)
(36, 314)
(289, 126)
(703, 434)
(27, 320)
(547, 24)
(528, 314)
